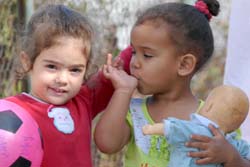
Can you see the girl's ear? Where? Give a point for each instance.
(187, 64)
(25, 60)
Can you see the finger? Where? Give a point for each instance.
(198, 154)
(105, 71)
(109, 59)
(104, 68)
(203, 161)
(110, 69)
(215, 131)
(198, 145)
(118, 63)
(200, 138)
(120, 67)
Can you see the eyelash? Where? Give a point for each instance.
(73, 70)
(76, 70)
(145, 55)
(51, 66)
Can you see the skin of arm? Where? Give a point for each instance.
(112, 131)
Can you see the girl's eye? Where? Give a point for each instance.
(76, 70)
(51, 66)
(147, 56)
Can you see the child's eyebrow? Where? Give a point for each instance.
(143, 47)
(71, 66)
(148, 48)
(78, 66)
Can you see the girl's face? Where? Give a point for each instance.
(154, 62)
(58, 71)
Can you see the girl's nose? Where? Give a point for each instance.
(62, 78)
(135, 63)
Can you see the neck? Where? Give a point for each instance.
(179, 104)
(177, 93)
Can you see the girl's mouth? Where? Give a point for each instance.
(58, 91)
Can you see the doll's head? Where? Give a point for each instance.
(227, 106)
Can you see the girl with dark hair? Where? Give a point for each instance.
(170, 42)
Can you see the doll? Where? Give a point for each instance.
(226, 107)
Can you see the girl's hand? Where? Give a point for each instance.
(212, 150)
(116, 63)
(121, 81)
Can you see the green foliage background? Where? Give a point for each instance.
(8, 20)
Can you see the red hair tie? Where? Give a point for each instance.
(203, 8)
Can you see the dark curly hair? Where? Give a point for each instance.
(190, 29)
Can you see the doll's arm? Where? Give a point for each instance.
(155, 129)
(215, 150)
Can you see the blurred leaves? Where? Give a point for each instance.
(8, 17)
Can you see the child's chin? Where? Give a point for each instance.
(58, 101)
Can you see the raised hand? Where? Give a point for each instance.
(119, 78)
(116, 63)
